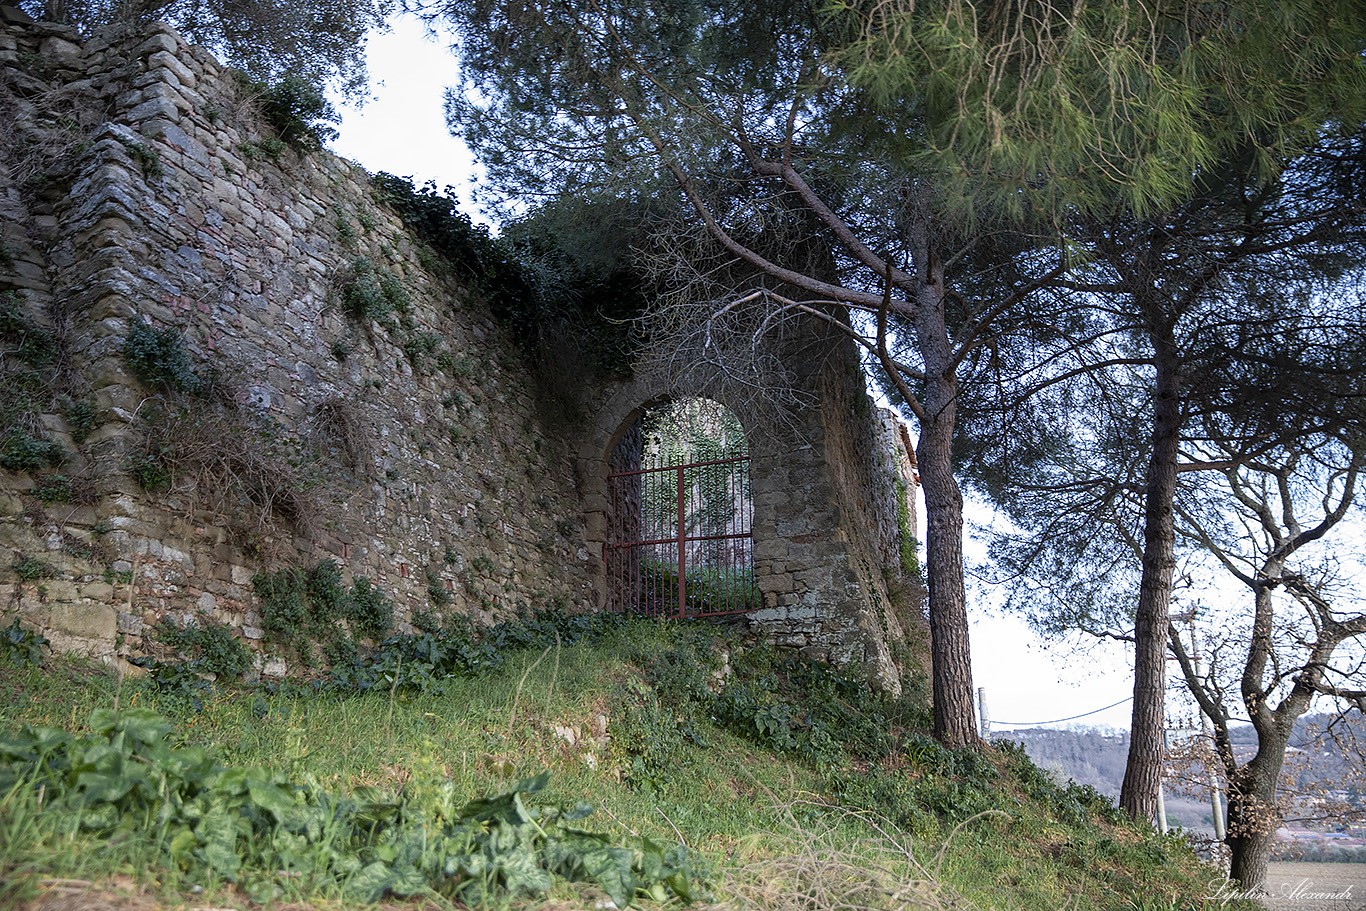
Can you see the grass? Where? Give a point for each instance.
(798, 792)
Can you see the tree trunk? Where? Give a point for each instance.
(955, 716)
(1143, 772)
(1253, 814)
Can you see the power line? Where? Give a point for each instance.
(1026, 724)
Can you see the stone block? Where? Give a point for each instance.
(84, 619)
(158, 42)
(154, 108)
(60, 51)
(169, 61)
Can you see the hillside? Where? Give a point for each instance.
(790, 786)
(1096, 758)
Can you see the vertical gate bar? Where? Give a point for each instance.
(682, 548)
(733, 579)
(613, 566)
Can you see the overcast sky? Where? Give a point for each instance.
(402, 130)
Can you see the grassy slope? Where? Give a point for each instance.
(778, 808)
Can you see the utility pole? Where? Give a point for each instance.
(982, 713)
(1216, 805)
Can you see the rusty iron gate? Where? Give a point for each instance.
(680, 540)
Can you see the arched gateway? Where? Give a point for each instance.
(798, 535)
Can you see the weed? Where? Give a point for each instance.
(436, 588)
(298, 608)
(296, 108)
(207, 647)
(30, 343)
(370, 612)
(31, 569)
(370, 294)
(23, 452)
(20, 646)
(341, 350)
(338, 429)
(149, 471)
(419, 346)
(268, 149)
(145, 157)
(262, 829)
(54, 489)
(240, 467)
(158, 358)
(80, 418)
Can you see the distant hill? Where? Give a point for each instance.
(1096, 757)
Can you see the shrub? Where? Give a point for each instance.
(371, 614)
(20, 646)
(298, 608)
(370, 294)
(158, 358)
(30, 569)
(209, 648)
(23, 452)
(298, 111)
(32, 344)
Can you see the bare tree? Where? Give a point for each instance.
(1269, 527)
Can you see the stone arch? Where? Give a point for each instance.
(616, 415)
(817, 552)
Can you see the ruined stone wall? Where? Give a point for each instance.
(142, 197)
(138, 185)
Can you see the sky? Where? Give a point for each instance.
(402, 130)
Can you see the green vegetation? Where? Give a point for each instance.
(908, 548)
(21, 646)
(158, 358)
(466, 248)
(296, 109)
(145, 157)
(784, 777)
(28, 358)
(299, 608)
(708, 588)
(31, 569)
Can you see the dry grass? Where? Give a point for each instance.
(43, 129)
(816, 866)
(244, 473)
(336, 427)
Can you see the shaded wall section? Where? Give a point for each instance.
(411, 448)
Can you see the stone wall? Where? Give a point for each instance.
(418, 449)
(140, 192)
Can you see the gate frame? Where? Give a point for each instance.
(681, 539)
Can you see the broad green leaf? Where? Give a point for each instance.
(370, 882)
(409, 881)
(521, 871)
(268, 796)
(144, 724)
(103, 788)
